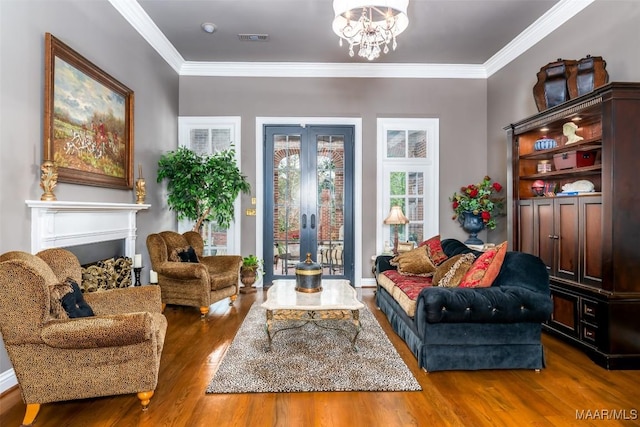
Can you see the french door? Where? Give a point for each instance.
(308, 187)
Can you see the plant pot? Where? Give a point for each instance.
(248, 278)
(472, 224)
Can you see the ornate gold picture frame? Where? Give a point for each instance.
(88, 120)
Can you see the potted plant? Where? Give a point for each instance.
(251, 268)
(476, 206)
(202, 187)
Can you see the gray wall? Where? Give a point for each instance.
(99, 33)
(459, 104)
(610, 29)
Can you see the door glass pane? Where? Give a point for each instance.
(286, 206)
(330, 203)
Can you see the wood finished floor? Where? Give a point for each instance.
(193, 350)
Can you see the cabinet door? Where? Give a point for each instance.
(591, 240)
(525, 239)
(567, 237)
(543, 232)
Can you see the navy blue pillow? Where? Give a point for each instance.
(74, 303)
(188, 255)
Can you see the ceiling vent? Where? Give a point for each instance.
(253, 37)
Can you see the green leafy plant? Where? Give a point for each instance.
(478, 199)
(202, 187)
(250, 261)
(251, 265)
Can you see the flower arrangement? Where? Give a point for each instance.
(477, 198)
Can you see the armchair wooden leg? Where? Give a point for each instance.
(233, 298)
(204, 311)
(145, 398)
(31, 413)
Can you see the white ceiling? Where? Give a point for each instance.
(463, 38)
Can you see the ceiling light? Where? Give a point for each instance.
(208, 27)
(370, 24)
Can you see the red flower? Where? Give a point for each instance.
(486, 216)
(474, 192)
(455, 204)
(497, 186)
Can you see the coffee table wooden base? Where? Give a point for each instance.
(317, 317)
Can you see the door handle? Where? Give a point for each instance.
(304, 220)
(313, 221)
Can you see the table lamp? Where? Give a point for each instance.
(395, 218)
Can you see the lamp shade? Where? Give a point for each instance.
(396, 217)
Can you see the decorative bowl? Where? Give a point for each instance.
(545, 144)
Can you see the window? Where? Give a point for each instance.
(408, 177)
(208, 135)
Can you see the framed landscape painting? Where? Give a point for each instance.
(88, 120)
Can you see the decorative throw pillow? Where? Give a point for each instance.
(414, 263)
(73, 302)
(485, 269)
(186, 254)
(56, 292)
(449, 274)
(122, 267)
(434, 250)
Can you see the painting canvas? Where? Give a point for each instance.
(88, 120)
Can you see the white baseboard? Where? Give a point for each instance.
(7, 380)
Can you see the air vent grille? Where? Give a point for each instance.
(253, 37)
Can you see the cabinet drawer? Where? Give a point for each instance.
(589, 310)
(589, 333)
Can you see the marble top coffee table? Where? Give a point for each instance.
(337, 301)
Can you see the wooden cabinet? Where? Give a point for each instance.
(589, 240)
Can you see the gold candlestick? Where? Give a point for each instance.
(141, 190)
(48, 180)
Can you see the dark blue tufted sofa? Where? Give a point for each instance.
(498, 327)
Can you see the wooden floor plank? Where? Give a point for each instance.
(195, 348)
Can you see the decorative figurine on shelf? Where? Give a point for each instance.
(569, 130)
(48, 180)
(140, 187)
(537, 188)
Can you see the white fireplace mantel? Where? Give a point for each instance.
(63, 224)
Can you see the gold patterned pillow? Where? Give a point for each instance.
(414, 263)
(449, 274)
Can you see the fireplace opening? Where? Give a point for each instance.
(90, 253)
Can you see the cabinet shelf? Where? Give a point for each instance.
(566, 173)
(584, 145)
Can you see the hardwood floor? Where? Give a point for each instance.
(570, 386)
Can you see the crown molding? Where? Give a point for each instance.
(143, 24)
(333, 70)
(560, 13)
(543, 26)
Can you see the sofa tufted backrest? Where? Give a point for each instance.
(518, 269)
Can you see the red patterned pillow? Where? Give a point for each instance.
(434, 250)
(485, 269)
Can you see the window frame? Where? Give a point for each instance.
(232, 123)
(428, 165)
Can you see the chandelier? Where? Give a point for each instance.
(370, 26)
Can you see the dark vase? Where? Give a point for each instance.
(472, 224)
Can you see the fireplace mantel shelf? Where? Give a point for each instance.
(65, 224)
(66, 205)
